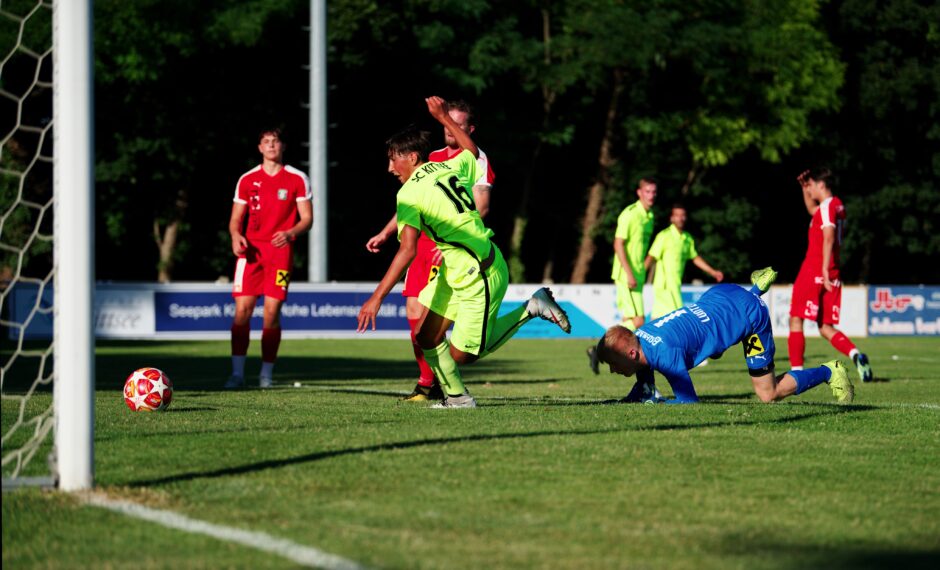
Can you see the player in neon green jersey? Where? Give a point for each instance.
(470, 286)
(631, 241)
(670, 251)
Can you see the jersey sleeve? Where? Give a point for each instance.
(693, 253)
(826, 214)
(407, 212)
(241, 197)
(674, 369)
(623, 223)
(487, 177)
(656, 250)
(302, 191)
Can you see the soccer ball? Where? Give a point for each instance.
(148, 390)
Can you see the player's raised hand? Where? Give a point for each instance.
(367, 314)
(803, 178)
(437, 107)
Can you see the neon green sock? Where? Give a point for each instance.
(506, 327)
(445, 369)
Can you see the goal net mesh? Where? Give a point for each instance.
(26, 238)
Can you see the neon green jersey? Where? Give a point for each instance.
(671, 249)
(635, 227)
(436, 200)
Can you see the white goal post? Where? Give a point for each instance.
(47, 243)
(73, 112)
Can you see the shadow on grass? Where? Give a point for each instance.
(210, 373)
(395, 446)
(799, 556)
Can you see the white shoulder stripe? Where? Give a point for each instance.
(239, 183)
(308, 193)
(825, 213)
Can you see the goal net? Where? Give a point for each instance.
(46, 287)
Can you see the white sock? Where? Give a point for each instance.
(238, 365)
(796, 368)
(267, 370)
(852, 353)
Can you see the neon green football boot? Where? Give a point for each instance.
(764, 278)
(840, 383)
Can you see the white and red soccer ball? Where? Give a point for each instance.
(148, 390)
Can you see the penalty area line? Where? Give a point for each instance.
(303, 555)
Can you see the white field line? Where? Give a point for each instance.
(298, 553)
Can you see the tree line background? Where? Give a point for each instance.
(723, 102)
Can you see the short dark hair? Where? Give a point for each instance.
(824, 175)
(463, 107)
(409, 139)
(678, 206)
(271, 130)
(647, 180)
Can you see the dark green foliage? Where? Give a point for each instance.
(725, 102)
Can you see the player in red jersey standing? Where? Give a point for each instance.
(277, 199)
(427, 262)
(817, 292)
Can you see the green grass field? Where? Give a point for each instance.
(544, 474)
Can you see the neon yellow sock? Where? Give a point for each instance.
(445, 369)
(506, 327)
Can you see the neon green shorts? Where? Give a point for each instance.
(474, 305)
(666, 300)
(629, 301)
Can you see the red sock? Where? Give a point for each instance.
(240, 339)
(426, 375)
(842, 343)
(796, 343)
(270, 342)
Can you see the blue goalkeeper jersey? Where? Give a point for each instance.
(724, 316)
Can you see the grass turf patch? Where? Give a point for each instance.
(547, 473)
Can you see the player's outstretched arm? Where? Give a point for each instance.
(438, 109)
(704, 266)
(406, 253)
(376, 241)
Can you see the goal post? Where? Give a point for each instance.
(73, 386)
(47, 243)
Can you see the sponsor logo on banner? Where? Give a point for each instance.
(904, 311)
(887, 302)
(181, 311)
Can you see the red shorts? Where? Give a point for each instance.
(264, 270)
(812, 302)
(421, 270)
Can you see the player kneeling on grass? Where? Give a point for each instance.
(469, 288)
(724, 316)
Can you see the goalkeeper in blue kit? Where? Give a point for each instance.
(724, 316)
